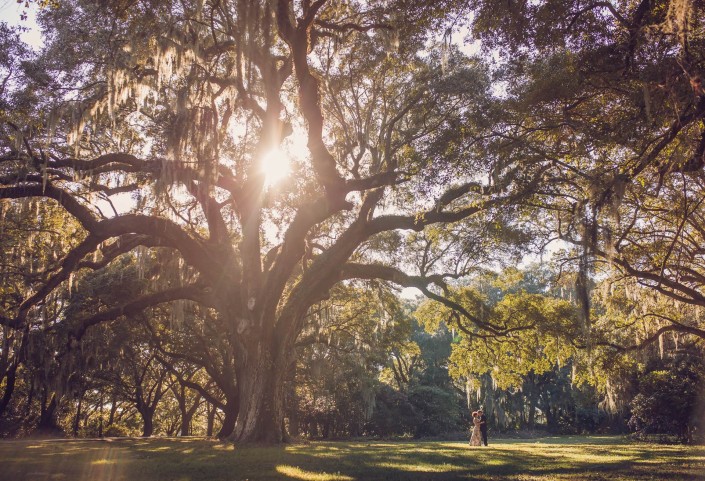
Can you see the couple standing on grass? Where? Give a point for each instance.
(479, 429)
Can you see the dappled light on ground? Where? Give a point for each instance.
(108, 465)
(63, 460)
(193, 459)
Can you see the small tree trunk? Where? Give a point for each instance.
(100, 418)
(77, 418)
(30, 400)
(211, 410)
(326, 427)
(185, 418)
(547, 415)
(113, 410)
(172, 427)
(187, 413)
(10, 377)
(532, 405)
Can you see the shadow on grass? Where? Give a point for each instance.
(192, 459)
(441, 461)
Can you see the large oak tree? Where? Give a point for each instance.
(181, 106)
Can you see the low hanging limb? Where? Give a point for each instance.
(192, 292)
(379, 271)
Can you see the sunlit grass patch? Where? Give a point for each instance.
(99, 462)
(224, 447)
(298, 473)
(420, 468)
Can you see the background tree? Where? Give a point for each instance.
(669, 401)
(611, 92)
(332, 390)
(525, 379)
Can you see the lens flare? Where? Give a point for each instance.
(276, 167)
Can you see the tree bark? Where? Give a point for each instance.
(229, 418)
(113, 410)
(211, 410)
(147, 422)
(77, 418)
(292, 402)
(532, 411)
(30, 400)
(47, 419)
(532, 400)
(185, 429)
(100, 416)
(186, 412)
(550, 417)
(261, 392)
(10, 377)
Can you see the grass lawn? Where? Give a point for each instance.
(192, 459)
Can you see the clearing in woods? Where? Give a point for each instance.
(197, 459)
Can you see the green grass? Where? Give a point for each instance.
(560, 458)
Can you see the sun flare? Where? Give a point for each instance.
(276, 166)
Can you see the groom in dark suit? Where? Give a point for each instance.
(483, 426)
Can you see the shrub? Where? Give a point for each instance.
(668, 399)
(117, 431)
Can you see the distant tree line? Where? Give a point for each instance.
(369, 364)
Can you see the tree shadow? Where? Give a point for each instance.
(196, 459)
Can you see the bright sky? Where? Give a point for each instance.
(10, 12)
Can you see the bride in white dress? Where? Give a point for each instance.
(475, 437)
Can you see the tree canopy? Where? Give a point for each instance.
(215, 171)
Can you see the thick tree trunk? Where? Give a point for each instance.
(185, 429)
(47, 419)
(260, 378)
(147, 422)
(147, 414)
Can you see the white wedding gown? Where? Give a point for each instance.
(476, 438)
